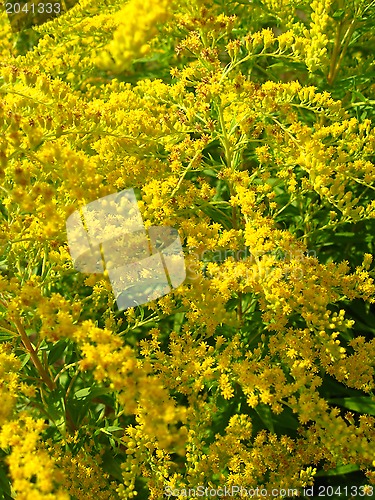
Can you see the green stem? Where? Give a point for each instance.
(7, 330)
(225, 142)
(340, 50)
(33, 355)
(353, 104)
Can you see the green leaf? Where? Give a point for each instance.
(178, 321)
(91, 392)
(286, 420)
(342, 469)
(339, 14)
(4, 482)
(331, 387)
(111, 428)
(360, 404)
(57, 351)
(345, 234)
(5, 336)
(264, 412)
(111, 466)
(25, 360)
(55, 406)
(210, 172)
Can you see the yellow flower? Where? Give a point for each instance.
(137, 26)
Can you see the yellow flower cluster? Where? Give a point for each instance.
(34, 473)
(316, 51)
(137, 21)
(9, 366)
